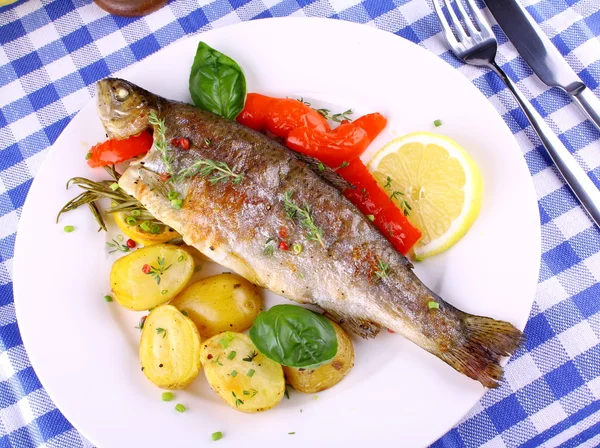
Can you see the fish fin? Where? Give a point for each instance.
(322, 170)
(355, 325)
(486, 342)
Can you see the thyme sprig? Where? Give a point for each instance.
(305, 218)
(383, 269)
(215, 171)
(338, 118)
(158, 271)
(160, 141)
(396, 195)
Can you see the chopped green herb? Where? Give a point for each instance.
(206, 141)
(388, 182)
(136, 212)
(173, 195)
(161, 331)
(180, 408)
(321, 167)
(343, 165)
(160, 142)
(237, 400)
(167, 396)
(145, 226)
(217, 361)
(297, 248)
(216, 436)
(382, 269)
(114, 186)
(234, 373)
(231, 355)
(184, 312)
(181, 258)
(250, 372)
(291, 432)
(131, 221)
(164, 291)
(88, 155)
(433, 305)
(176, 203)
(225, 340)
(69, 229)
(156, 272)
(336, 117)
(437, 123)
(269, 247)
(315, 397)
(246, 392)
(108, 298)
(286, 393)
(155, 229)
(371, 217)
(250, 357)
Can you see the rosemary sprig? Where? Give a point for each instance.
(292, 210)
(94, 191)
(160, 141)
(383, 269)
(215, 171)
(338, 118)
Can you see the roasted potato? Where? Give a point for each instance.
(150, 276)
(328, 375)
(170, 348)
(224, 302)
(243, 378)
(139, 235)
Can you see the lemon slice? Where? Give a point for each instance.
(438, 185)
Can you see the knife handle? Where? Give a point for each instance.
(589, 104)
(577, 179)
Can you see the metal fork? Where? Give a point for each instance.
(478, 46)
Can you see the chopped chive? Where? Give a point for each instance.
(164, 291)
(155, 229)
(297, 248)
(181, 258)
(167, 396)
(184, 312)
(315, 397)
(180, 408)
(88, 155)
(177, 203)
(437, 123)
(234, 373)
(433, 305)
(136, 213)
(173, 195)
(145, 226)
(114, 186)
(216, 436)
(371, 217)
(250, 372)
(321, 167)
(291, 433)
(130, 220)
(69, 229)
(246, 392)
(286, 393)
(108, 298)
(231, 355)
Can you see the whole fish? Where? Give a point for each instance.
(240, 188)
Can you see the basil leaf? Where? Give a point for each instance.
(294, 336)
(217, 83)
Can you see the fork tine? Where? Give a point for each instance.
(462, 36)
(472, 30)
(481, 22)
(448, 34)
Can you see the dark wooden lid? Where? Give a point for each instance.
(130, 8)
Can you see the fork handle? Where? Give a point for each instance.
(589, 104)
(575, 176)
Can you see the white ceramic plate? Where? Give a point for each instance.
(85, 350)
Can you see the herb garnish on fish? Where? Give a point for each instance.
(160, 141)
(215, 171)
(306, 220)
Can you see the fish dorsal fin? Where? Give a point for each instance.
(329, 175)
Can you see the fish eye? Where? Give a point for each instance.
(121, 93)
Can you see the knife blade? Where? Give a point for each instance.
(541, 54)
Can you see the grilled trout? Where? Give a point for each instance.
(239, 188)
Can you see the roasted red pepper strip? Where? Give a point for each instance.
(115, 151)
(279, 115)
(371, 199)
(346, 142)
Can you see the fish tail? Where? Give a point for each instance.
(485, 343)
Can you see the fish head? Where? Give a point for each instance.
(123, 107)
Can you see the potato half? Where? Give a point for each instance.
(170, 348)
(243, 378)
(224, 302)
(150, 276)
(328, 375)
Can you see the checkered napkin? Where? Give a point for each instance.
(51, 53)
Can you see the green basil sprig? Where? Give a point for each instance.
(294, 336)
(217, 83)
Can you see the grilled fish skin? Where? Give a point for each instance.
(355, 275)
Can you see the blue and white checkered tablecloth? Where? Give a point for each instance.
(52, 52)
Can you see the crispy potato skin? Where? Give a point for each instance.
(224, 302)
(137, 290)
(170, 348)
(256, 385)
(311, 381)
